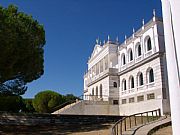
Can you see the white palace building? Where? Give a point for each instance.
(131, 75)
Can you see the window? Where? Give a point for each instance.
(123, 59)
(96, 90)
(131, 82)
(151, 76)
(140, 79)
(130, 55)
(140, 98)
(115, 84)
(150, 96)
(139, 50)
(124, 84)
(149, 46)
(123, 101)
(100, 90)
(115, 102)
(131, 100)
(93, 91)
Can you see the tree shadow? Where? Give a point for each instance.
(51, 129)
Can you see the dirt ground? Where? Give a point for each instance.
(97, 132)
(164, 131)
(96, 129)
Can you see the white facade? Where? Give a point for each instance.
(171, 9)
(132, 74)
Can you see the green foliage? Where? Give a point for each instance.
(45, 101)
(28, 106)
(10, 103)
(70, 97)
(21, 48)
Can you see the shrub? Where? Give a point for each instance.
(45, 101)
(10, 103)
(28, 106)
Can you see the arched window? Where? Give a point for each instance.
(93, 91)
(131, 82)
(140, 79)
(100, 90)
(151, 75)
(124, 84)
(149, 46)
(130, 55)
(123, 59)
(96, 90)
(139, 50)
(115, 84)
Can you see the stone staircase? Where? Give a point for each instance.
(67, 108)
(86, 107)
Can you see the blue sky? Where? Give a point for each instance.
(71, 29)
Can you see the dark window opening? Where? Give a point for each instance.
(150, 96)
(140, 98)
(130, 55)
(132, 82)
(123, 59)
(139, 50)
(115, 102)
(96, 91)
(124, 85)
(93, 91)
(149, 46)
(131, 100)
(115, 84)
(141, 79)
(151, 76)
(101, 91)
(123, 101)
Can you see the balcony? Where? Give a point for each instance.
(148, 53)
(150, 85)
(130, 63)
(139, 58)
(109, 71)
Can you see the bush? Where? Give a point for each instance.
(45, 101)
(10, 103)
(69, 97)
(28, 106)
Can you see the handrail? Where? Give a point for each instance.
(117, 128)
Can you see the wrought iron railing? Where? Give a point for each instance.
(134, 120)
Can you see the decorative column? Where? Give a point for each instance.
(171, 17)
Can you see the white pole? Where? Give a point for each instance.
(171, 20)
